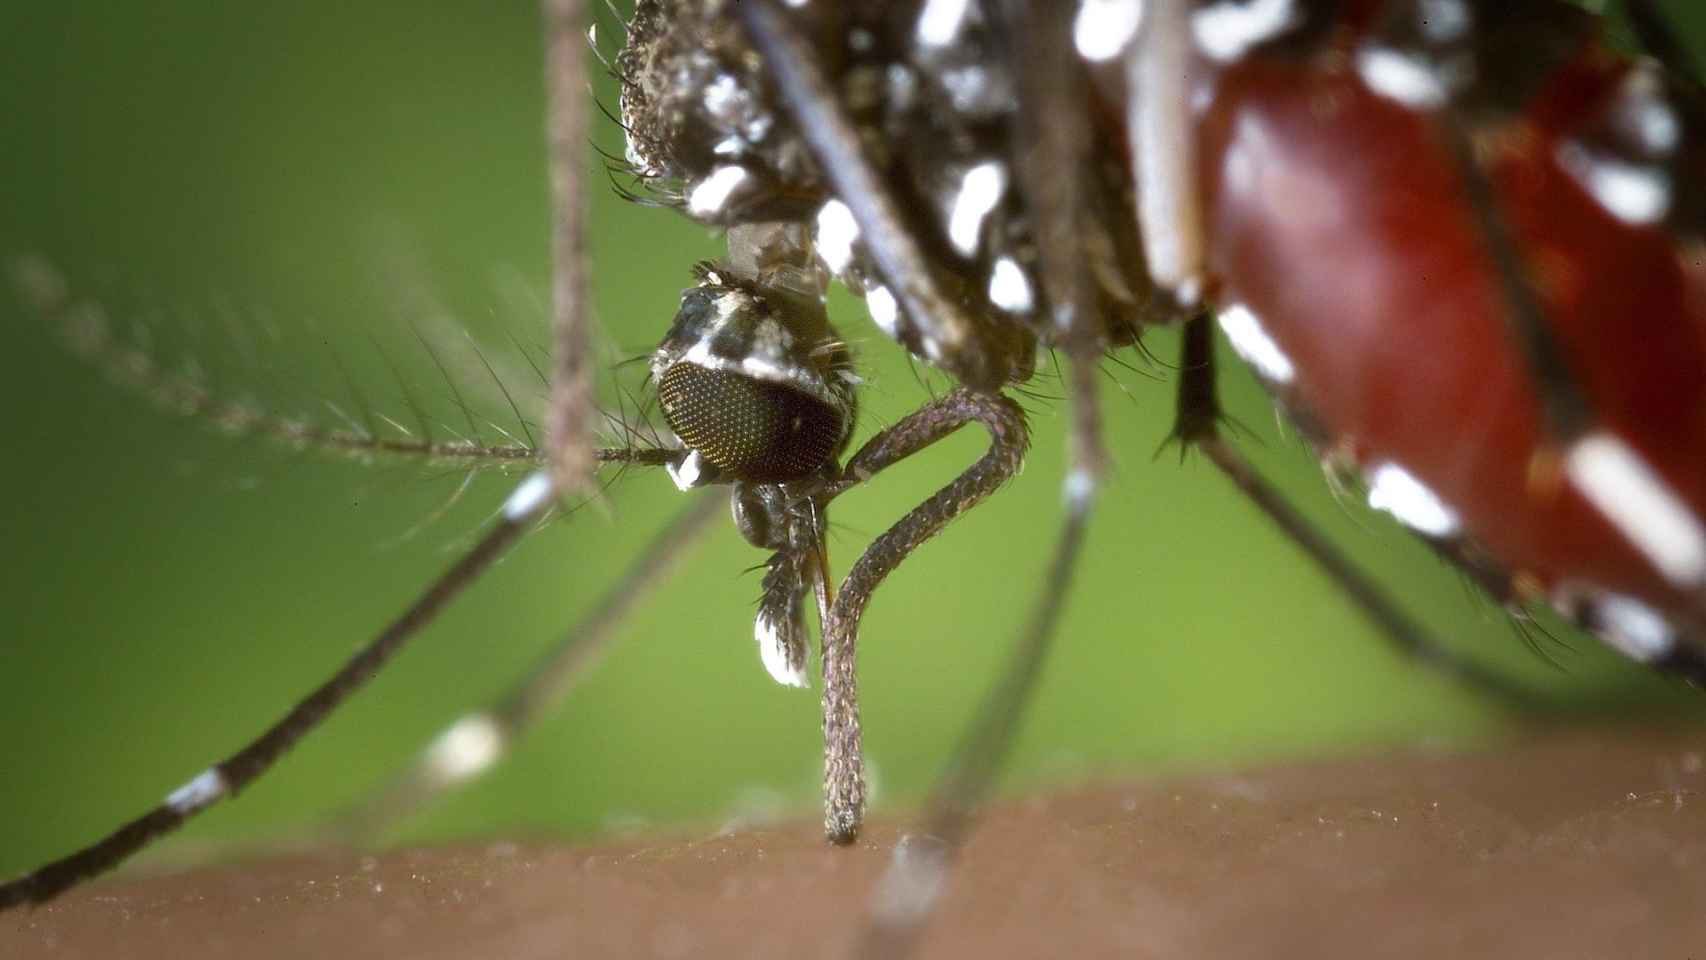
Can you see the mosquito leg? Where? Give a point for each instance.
(1051, 141)
(1052, 148)
(474, 743)
(953, 336)
(568, 424)
(844, 765)
(1161, 131)
(905, 897)
(1198, 427)
(229, 776)
(88, 332)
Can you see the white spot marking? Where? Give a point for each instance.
(836, 231)
(796, 4)
(1633, 193)
(884, 310)
(1397, 491)
(720, 95)
(1227, 30)
(1636, 500)
(1655, 123)
(1008, 288)
(1397, 77)
(980, 191)
(712, 192)
(1657, 126)
(1103, 28)
(528, 497)
(207, 788)
(636, 159)
(764, 368)
(941, 21)
(467, 748)
(1632, 628)
(1250, 341)
(728, 305)
(774, 651)
(686, 473)
(1080, 486)
(700, 352)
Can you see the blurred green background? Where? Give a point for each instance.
(273, 197)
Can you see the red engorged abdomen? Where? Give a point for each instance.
(1339, 219)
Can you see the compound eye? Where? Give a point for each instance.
(755, 430)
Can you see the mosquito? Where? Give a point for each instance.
(730, 335)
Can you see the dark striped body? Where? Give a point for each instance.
(1343, 250)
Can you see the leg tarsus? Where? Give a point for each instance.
(568, 422)
(231, 775)
(844, 778)
(905, 897)
(1197, 415)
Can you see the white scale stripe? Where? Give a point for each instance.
(1103, 28)
(775, 654)
(1397, 491)
(465, 749)
(1633, 629)
(980, 192)
(206, 789)
(1252, 343)
(709, 195)
(1637, 501)
(528, 497)
(941, 20)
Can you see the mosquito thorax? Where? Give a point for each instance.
(934, 102)
(754, 381)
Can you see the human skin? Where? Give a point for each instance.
(1578, 844)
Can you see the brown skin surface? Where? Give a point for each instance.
(1578, 845)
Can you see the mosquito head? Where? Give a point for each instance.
(754, 381)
